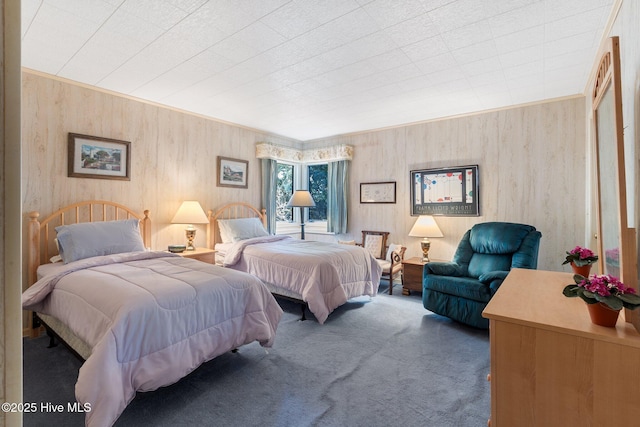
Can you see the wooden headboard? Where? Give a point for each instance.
(231, 211)
(42, 234)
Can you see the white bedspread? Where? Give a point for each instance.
(151, 318)
(325, 275)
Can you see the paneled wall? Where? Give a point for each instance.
(173, 154)
(532, 170)
(531, 159)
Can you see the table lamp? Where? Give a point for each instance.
(190, 212)
(425, 227)
(301, 199)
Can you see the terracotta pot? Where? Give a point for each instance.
(602, 315)
(583, 271)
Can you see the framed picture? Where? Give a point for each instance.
(447, 191)
(232, 172)
(96, 157)
(378, 192)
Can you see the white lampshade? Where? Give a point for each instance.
(425, 226)
(190, 212)
(301, 199)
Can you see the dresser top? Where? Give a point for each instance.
(534, 298)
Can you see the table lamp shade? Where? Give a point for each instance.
(190, 212)
(425, 227)
(301, 199)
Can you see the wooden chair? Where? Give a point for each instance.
(388, 256)
(392, 265)
(376, 243)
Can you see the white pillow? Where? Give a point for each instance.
(89, 239)
(222, 228)
(234, 230)
(347, 242)
(392, 248)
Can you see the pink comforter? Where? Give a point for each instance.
(151, 318)
(325, 275)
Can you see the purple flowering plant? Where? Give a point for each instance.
(604, 288)
(580, 256)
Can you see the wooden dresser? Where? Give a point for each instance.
(550, 366)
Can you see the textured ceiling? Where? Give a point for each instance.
(307, 69)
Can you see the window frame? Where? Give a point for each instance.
(315, 226)
(301, 181)
(293, 185)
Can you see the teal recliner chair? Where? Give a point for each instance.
(462, 288)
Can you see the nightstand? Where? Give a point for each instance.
(200, 254)
(412, 273)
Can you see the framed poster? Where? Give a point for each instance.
(96, 157)
(378, 192)
(446, 191)
(232, 172)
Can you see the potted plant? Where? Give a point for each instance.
(605, 295)
(581, 260)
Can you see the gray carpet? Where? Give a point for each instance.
(382, 361)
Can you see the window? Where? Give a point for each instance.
(318, 189)
(291, 177)
(284, 190)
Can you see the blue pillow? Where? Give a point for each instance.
(89, 239)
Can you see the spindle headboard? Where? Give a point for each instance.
(231, 211)
(42, 234)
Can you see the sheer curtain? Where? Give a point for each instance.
(338, 196)
(269, 179)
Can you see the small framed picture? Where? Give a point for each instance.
(96, 157)
(232, 172)
(378, 192)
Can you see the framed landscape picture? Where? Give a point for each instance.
(96, 157)
(446, 191)
(232, 172)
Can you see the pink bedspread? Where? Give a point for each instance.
(325, 275)
(151, 318)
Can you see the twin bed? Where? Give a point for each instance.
(140, 319)
(143, 319)
(321, 275)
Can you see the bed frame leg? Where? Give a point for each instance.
(304, 315)
(52, 339)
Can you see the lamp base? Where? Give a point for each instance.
(191, 234)
(301, 223)
(425, 244)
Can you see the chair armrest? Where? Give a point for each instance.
(494, 279)
(397, 256)
(493, 275)
(443, 269)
